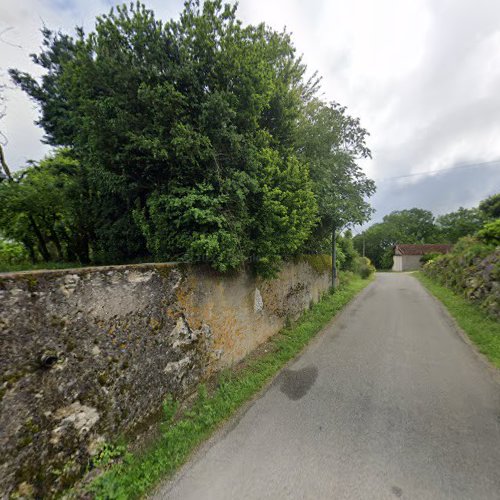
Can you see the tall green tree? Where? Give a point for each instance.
(160, 114)
(332, 142)
(377, 242)
(197, 139)
(455, 225)
(490, 207)
(414, 225)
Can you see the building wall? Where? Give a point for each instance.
(411, 262)
(89, 355)
(406, 262)
(398, 263)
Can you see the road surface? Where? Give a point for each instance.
(388, 402)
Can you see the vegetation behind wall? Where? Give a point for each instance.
(198, 139)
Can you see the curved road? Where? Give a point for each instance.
(388, 402)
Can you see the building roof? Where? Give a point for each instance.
(421, 249)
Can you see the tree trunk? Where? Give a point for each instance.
(71, 247)
(4, 164)
(41, 242)
(84, 252)
(31, 251)
(81, 248)
(57, 243)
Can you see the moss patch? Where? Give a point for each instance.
(320, 263)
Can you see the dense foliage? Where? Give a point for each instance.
(490, 207)
(12, 253)
(490, 233)
(45, 208)
(455, 225)
(330, 141)
(348, 259)
(197, 139)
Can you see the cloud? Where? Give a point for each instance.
(422, 75)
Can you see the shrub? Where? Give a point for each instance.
(12, 253)
(429, 256)
(345, 277)
(366, 268)
(347, 255)
(490, 233)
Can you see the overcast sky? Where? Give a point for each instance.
(422, 75)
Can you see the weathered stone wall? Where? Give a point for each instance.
(472, 270)
(88, 355)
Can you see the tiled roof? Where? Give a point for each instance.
(421, 249)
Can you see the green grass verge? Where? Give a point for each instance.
(137, 474)
(482, 330)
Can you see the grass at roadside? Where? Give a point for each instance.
(136, 475)
(481, 329)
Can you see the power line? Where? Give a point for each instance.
(430, 172)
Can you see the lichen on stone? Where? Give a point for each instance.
(124, 337)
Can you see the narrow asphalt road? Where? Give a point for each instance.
(388, 402)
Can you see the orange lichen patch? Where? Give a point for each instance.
(239, 322)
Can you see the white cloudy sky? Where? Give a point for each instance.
(423, 76)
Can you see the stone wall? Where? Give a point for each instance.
(471, 270)
(88, 355)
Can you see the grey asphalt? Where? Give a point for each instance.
(388, 402)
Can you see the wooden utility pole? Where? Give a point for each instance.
(334, 258)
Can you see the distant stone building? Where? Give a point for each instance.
(407, 257)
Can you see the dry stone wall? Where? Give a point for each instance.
(472, 270)
(88, 355)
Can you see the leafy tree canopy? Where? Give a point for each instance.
(491, 206)
(196, 139)
(455, 225)
(44, 208)
(331, 142)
